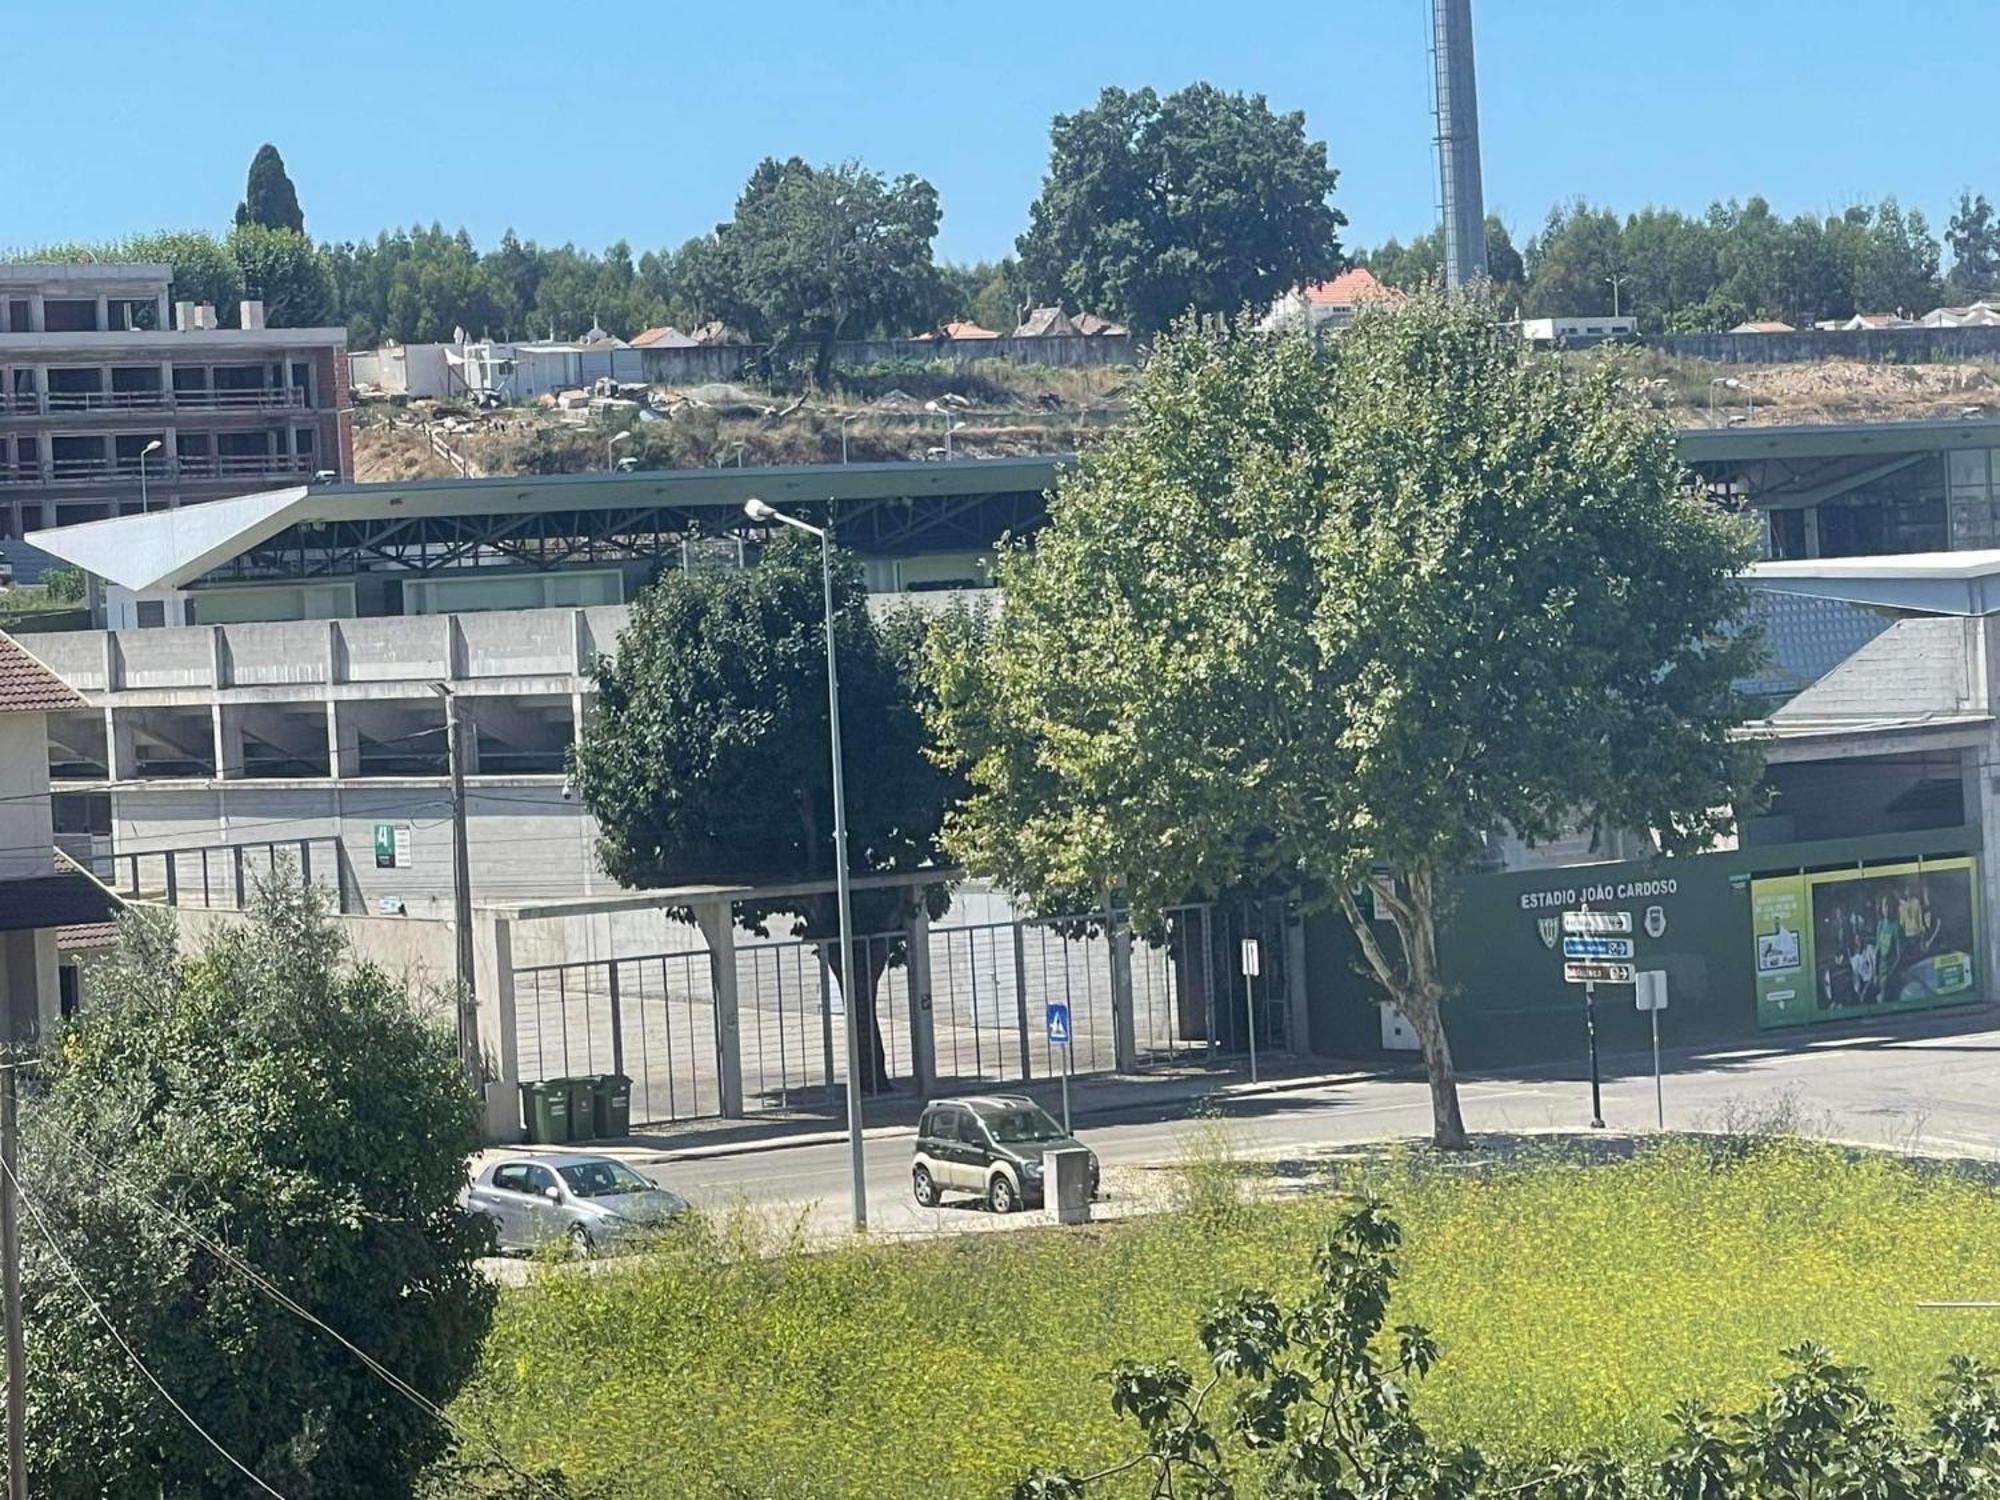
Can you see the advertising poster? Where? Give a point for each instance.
(1845, 943)
(1898, 937)
(1778, 927)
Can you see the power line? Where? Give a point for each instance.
(130, 1353)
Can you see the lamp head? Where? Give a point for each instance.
(153, 447)
(757, 510)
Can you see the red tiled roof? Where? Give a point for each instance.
(968, 331)
(87, 937)
(1349, 288)
(1763, 325)
(668, 337)
(28, 687)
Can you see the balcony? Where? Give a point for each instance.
(33, 404)
(99, 471)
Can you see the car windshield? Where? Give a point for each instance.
(603, 1179)
(1010, 1127)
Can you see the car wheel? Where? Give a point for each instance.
(1000, 1196)
(579, 1242)
(925, 1187)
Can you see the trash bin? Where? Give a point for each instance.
(545, 1111)
(582, 1107)
(611, 1107)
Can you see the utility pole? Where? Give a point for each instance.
(461, 891)
(18, 1023)
(1616, 282)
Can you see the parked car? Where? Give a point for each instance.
(592, 1202)
(991, 1146)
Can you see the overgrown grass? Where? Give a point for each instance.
(1574, 1306)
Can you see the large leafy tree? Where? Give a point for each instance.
(1973, 237)
(706, 760)
(283, 269)
(269, 198)
(1333, 618)
(1201, 200)
(817, 254)
(308, 1119)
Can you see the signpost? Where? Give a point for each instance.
(1652, 998)
(1250, 968)
(1597, 947)
(1590, 939)
(1598, 923)
(392, 847)
(1057, 1020)
(1597, 973)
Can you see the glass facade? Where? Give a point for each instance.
(1975, 520)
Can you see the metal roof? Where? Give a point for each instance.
(172, 548)
(1835, 439)
(1926, 583)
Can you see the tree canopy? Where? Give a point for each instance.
(1337, 617)
(306, 1115)
(816, 254)
(1202, 200)
(269, 199)
(707, 757)
(281, 268)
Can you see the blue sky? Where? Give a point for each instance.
(594, 122)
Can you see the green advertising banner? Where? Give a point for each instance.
(1848, 943)
(1778, 926)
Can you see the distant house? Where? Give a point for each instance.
(1046, 323)
(668, 337)
(1091, 326)
(715, 331)
(958, 331)
(1763, 325)
(1328, 304)
(1576, 333)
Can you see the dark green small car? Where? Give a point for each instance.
(990, 1146)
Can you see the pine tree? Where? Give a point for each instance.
(269, 197)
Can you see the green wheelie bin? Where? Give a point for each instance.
(611, 1106)
(545, 1111)
(582, 1107)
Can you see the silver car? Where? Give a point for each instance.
(592, 1202)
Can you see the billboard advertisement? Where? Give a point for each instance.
(1867, 941)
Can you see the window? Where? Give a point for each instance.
(969, 1131)
(152, 614)
(512, 1178)
(540, 1179)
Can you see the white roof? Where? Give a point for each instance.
(166, 548)
(1939, 583)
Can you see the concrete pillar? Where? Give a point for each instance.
(923, 1021)
(717, 920)
(228, 724)
(343, 742)
(37, 315)
(120, 753)
(103, 313)
(30, 997)
(493, 987)
(1298, 1022)
(163, 311)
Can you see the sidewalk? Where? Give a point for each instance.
(1096, 1097)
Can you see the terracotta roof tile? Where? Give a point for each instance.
(28, 687)
(1349, 288)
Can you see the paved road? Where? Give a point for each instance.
(1914, 1086)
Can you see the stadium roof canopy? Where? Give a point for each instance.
(1925, 583)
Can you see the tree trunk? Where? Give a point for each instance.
(861, 997)
(1414, 986)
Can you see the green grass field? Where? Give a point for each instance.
(1574, 1306)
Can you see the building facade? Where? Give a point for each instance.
(116, 399)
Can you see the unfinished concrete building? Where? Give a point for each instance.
(114, 398)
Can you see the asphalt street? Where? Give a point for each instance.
(1916, 1086)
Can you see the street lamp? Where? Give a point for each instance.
(758, 510)
(950, 426)
(1616, 282)
(1728, 383)
(615, 440)
(853, 416)
(145, 453)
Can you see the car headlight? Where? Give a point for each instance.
(1031, 1169)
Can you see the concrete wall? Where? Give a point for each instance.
(726, 362)
(419, 954)
(26, 836)
(1909, 346)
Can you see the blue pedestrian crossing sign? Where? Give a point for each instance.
(1058, 1019)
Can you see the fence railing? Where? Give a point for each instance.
(652, 1017)
(194, 466)
(225, 875)
(255, 398)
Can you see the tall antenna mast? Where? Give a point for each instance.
(1461, 201)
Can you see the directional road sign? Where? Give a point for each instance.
(1597, 973)
(1058, 1022)
(1599, 923)
(1597, 947)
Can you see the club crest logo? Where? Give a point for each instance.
(1656, 921)
(1548, 927)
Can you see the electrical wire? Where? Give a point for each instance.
(111, 1328)
(263, 1283)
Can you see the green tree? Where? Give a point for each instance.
(1327, 619)
(706, 760)
(269, 198)
(286, 271)
(818, 254)
(306, 1115)
(204, 270)
(1419, 265)
(1200, 200)
(64, 585)
(1571, 262)
(1974, 239)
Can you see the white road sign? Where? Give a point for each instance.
(1250, 957)
(1597, 947)
(1597, 973)
(1652, 989)
(1601, 923)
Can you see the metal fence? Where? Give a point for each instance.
(652, 1017)
(223, 875)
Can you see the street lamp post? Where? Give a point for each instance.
(854, 416)
(758, 510)
(1616, 282)
(145, 453)
(614, 441)
(950, 426)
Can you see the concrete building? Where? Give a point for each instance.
(1578, 333)
(1327, 305)
(113, 398)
